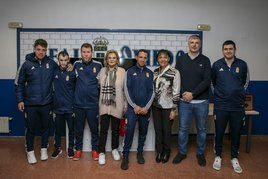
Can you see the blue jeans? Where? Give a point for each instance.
(186, 112)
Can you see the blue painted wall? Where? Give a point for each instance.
(260, 97)
(8, 107)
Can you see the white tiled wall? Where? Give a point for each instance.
(73, 40)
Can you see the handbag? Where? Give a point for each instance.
(122, 127)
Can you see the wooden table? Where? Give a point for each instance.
(249, 116)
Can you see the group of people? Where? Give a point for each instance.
(88, 91)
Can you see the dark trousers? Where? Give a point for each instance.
(104, 127)
(93, 121)
(143, 121)
(37, 116)
(236, 119)
(162, 126)
(59, 123)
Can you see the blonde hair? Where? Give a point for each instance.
(107, 54)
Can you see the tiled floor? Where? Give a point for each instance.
(13, 163)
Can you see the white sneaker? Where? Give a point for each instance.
(31, 157)
(217, 163)
(116, 154)
(236, 165)
(102, 160)
(44, 155)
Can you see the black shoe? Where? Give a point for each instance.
(140, 158)
(178, 158)
(56, 153)
(158, 158)
(165, 157)
(70, 153)
(124, 164)
(201, 160)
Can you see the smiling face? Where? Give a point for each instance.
(163, 60)
(112, 60)
(63, 61)
(40, 52)
(228, 51)
(86, 54)
(194, 45)
(142, 58)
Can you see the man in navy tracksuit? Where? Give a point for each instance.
(86, 100)
(139, 93)
(230, 79)
(64, 84)
(33, 86)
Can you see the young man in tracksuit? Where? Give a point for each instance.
(33, 86)
(86, 100)
(64, 84)
(230, 79)
(138, 87)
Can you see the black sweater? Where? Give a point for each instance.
(195, 75)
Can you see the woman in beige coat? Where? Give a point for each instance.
(112, 103)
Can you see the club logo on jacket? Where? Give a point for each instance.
(135, 74)
(81, 68)
(237, 70)
(147, 74)
(94, 70)
(47, 66)
(32, 68)
(56, 77)
(67, 78)
(221, 69)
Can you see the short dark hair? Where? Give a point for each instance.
(41, 42)
(63, 53)
(163, 51)
(142, 50)
(87, 45)
(229, 42)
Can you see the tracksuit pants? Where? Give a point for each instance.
(92, 117)
(37, 116)
(236, 119)
(59, 123)
(143, 121)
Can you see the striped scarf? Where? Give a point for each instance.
(108, 88)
